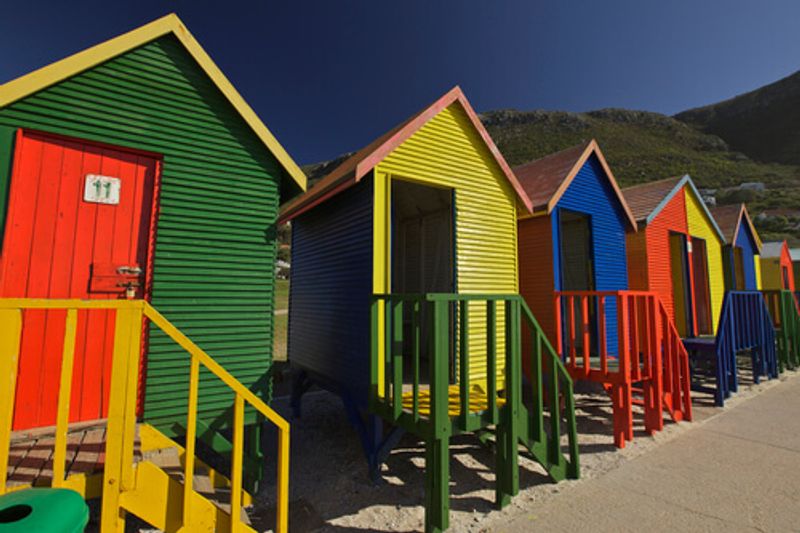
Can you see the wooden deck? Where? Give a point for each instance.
(478, 401)
(30, 461)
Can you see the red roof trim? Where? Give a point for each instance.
(345, 175)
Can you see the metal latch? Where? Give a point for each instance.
(130, 288)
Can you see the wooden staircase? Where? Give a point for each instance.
(785, 316)
(442, 397)
(627, 342)
(132, 467)
(744, 325)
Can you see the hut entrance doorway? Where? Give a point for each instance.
(738, 269)
(422, 248)
(681, 289)
(577, 267)
(78, 226)
(701, 289)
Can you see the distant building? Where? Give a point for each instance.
(756, 186)
(709, 196)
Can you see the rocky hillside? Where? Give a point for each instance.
(764, 123)
(642, 146)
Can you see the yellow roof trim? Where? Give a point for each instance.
(60, 70)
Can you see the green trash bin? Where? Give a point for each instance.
(43, 510)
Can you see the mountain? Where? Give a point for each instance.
(764, 123)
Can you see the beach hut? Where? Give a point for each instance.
(741, 254)
(404, 293)
(677, 252)
(777, 269)
(795, 254)
(134, 170)
(574, 276)
(574, 240)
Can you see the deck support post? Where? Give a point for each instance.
(437, 485)
(507, 453)
(437, 448)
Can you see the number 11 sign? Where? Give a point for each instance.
(101, 189)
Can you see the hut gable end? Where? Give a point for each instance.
(218, 204)
(456, 157)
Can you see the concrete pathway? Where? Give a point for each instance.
(738, 471)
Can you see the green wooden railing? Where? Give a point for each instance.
(783, 309)
(423, 380)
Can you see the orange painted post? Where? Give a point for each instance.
(601, 325)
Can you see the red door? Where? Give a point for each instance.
(78, 226)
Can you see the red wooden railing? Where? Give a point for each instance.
(626, 341)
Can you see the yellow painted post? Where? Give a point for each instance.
(382, 202)
(112, 517)
(10, 331)
(129, 432)
(64, 393)
(283, 481)
(237, 456)
(191, 436)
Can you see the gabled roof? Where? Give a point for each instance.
(546, 180)
(729, 219)
(352, 170)
(773, 249)
(56, 72)
(648, 199)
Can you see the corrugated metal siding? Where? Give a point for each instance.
(536, 280)
(786, 261)
(330, 290)
(771, 273)
(672, 218)
(215, 249)
(700, 226)
(636, 249)
(447, 151)
(757, 268)
(6, 155)
(591, 193)
(745, 241)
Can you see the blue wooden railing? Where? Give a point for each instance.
(744, 324)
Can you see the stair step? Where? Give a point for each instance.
(169, 460)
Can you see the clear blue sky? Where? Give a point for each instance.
(328, 76)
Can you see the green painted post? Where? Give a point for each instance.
(554, 445)
(397, 358)
(508, 430)
(374, 351)
(437, 452)
(537, 374)
(491, 358)
(415, 362)
(463, 362)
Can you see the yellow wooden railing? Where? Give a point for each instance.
(119, 469)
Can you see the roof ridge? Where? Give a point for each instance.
(56, 72)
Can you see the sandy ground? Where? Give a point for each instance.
(331, 491)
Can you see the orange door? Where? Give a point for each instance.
(78, 226)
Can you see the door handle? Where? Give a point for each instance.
(130, 270)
